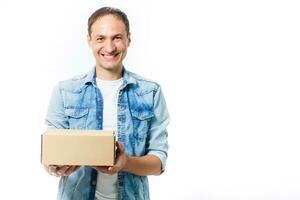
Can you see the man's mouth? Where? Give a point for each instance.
(109, 56)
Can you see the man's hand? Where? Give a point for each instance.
(121, 161)
(63, 170)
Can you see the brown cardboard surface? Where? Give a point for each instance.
(78, 147)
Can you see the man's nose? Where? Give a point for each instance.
(109, 46)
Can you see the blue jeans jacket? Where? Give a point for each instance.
(142, 121)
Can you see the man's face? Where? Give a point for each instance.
(109, 42)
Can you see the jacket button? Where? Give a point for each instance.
(94, 183)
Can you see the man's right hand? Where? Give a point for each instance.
(60, 170)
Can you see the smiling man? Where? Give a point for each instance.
(111, 98)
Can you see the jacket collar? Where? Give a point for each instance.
(91, 78)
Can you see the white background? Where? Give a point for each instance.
(229, 71)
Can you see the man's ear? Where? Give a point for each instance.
(89, 40)
(128, 40)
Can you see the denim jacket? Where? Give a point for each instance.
(142, 120)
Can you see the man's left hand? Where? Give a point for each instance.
(121, 161)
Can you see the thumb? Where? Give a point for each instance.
(120, 147)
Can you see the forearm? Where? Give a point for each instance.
(143, 166)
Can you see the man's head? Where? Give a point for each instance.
(108, 37)
(108, 11)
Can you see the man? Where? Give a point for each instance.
(111, 98)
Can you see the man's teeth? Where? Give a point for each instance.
(110, 56)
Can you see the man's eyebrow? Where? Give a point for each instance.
(99, 35)
(118, 34)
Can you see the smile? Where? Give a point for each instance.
(109, 56)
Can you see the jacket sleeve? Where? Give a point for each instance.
(55, 117)
(157, 143)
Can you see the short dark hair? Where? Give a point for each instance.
(108, 11)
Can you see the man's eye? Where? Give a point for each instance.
(100, 39)
(118, 38)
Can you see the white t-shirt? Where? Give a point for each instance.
(107, 188)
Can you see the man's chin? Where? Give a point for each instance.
(110, 67)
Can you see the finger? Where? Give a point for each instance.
(70, 170)
(51, 169)
(120, 147)
(112, 170)
(53, 172)
(62, 170)
(101, 169)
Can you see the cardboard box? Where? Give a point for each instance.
(78, 147)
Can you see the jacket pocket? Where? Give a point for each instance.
(141, 121)
(77, 117)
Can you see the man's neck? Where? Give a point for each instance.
(109, 75)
